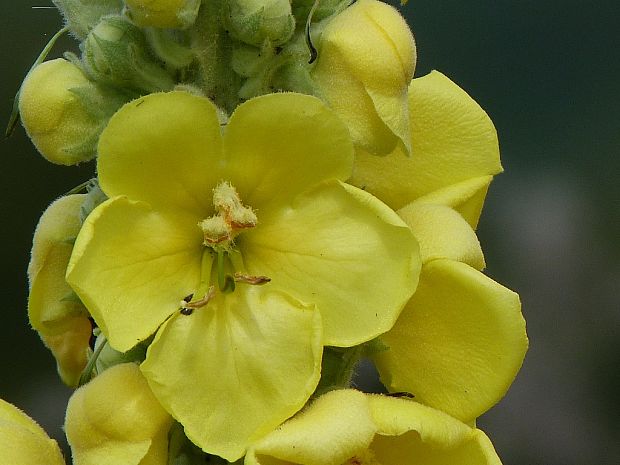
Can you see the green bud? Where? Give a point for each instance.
(83, 15)
(116, 53)
(178, 14)
(255, 21)
(64, 112)
(301, 9)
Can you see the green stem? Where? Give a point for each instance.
(88, 370)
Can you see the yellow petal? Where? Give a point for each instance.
(23, 441)
(164, 149)
(279, 145)
(458, 344)
(233, 370)
(452, 139)
(61, 322)
(330, 431)
(342, 249)
(466, 197)
(364, 77)
(116, 419)
(413, 433)
(131, 266)
(442, 233)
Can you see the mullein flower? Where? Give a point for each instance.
(23, 441)
(197, 217)
(460, 341)
(115, 419)
(366, 59)
(347, 427)
(63, 112)
(53, 309)
(163, 13)
(454, 152)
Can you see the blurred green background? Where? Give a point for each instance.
(548, 73)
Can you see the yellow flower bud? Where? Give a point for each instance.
(116, 419)
(163, 13)
(54, 113)
(61, 321)
(366, 59)
(23, 441)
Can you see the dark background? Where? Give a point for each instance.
(548, 73)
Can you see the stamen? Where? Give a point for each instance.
(254, 280)
(188, 307)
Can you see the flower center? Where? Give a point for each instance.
(231, 218)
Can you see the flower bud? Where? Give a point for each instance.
(163, 13)
(83, 15)
(23, 441)
(63, 112)
(116, 53)
(115, 419)
(54, 311)
(255, 21)
(366, 59)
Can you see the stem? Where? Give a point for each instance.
(88, 370)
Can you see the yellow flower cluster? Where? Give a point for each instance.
(276, 198)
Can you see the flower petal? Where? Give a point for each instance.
(342, 249)
(279, 145)
(364, 77)
(116, 419)
(131, 266)
(232, 371)
(61, 322)
(442, 233)
(330, 431)
(23, 441)
(458, 344)
(466, 197)
(413, 433)
(164, 149)
(452, 140)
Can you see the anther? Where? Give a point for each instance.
(254, 280)
(188, 307)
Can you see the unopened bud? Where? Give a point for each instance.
(83, 15)
(116, 53)
(255, 21)
(163, 13)
(64, 112)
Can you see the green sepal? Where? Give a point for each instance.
(95, 196)
(81, 16)
(170, 47)
(116, 53)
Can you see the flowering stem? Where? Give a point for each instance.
(88, 370)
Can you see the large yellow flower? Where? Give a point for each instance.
(461, 339)
(348, 427)
(191, 205)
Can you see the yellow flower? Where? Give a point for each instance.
(366, 59)
(163, 13)
(461, 339)
(61, 321)
(454, 152)
(191, 205)
(23, 441)
(59, 123)
(115, 419)
(348, 427)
